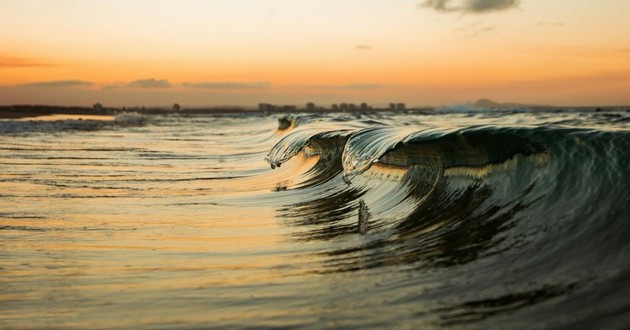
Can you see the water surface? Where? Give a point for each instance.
(476, 219)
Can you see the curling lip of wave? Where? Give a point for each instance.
(406, 146)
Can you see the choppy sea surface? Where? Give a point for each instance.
(467, 219)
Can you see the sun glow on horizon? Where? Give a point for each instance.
(244, 52)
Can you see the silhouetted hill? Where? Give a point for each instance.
(489, 104)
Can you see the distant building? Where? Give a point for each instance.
(97, 107)
(266, 107)
(289, 108)
(176, 107)
(310, 106)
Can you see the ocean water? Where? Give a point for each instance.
(452, 219)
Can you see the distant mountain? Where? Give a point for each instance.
(489, 104)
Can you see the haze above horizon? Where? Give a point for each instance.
(218, 52)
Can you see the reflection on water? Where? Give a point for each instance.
(471, 311)
(179, 222)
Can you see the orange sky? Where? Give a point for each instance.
(217, 52)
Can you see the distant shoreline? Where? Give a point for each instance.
(34, 111)
(27, 111)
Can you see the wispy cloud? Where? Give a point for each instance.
(7, 61)
(470, 6)
(483, 29)
(363, 47)
(149, 83)
(362, 86)
(588, 51)
(229, 85)
(474, 29)
(58, 84)
(357, 86)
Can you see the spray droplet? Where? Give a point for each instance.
(364, 217)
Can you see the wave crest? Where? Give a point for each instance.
(435, 198)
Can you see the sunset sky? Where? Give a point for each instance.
(241, 52)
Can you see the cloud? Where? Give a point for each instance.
(470, 6)
(351, 86)
(474, 29)
(19, 62)
(229, 85)
(592, 52)
(149, 83)
(58, 84)
(364, 47)
(484, 29)
(362, 86)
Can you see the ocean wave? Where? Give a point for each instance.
(545, 207)
(437, 198)
(36, 125)
(428, 220)
(130, 119)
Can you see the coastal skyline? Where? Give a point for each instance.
(423, 53)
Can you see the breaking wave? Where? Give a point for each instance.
(544, 204)
(36, 125)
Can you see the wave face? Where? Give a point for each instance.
(467, 219)
(523, 222)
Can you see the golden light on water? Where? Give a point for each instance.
(449, 214)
